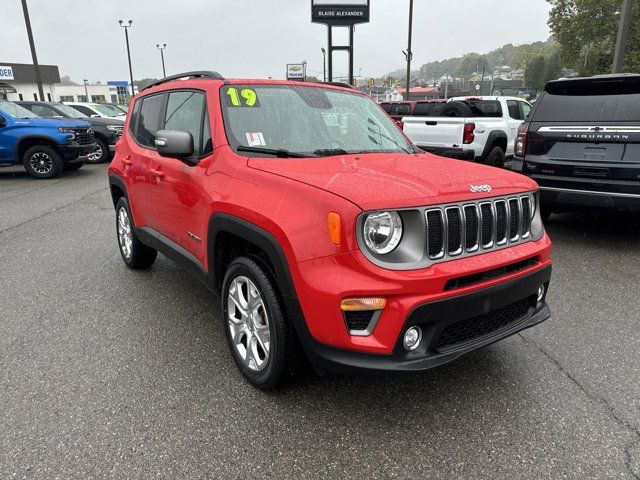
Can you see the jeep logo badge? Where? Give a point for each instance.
(480, 188)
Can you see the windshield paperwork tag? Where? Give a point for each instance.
(256, 139)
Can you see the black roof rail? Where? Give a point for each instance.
(197, 74)
(339, 84)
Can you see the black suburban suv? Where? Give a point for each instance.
(107, 130)
(581, 143)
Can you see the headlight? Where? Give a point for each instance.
(537, 228)
(382, 231)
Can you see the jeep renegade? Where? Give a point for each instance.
(325, 232)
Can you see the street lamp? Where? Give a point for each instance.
(324, 64)
(161, 48)
(86, 92)
(408, 53)
(126, 27)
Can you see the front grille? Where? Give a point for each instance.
(84, 136)
(476, 227)
(479, 326)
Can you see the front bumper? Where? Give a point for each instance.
(74, 150)
(451, 328)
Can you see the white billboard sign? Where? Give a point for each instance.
(6, 73)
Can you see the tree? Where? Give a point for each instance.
(144, 83)
(66, 80)
(553, 69)
(586, 33)
(534, 73)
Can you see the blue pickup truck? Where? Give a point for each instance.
(45, 147)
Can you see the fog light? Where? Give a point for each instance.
(540, 293)
(412, 338)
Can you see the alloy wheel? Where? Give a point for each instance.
(41, 163)
(248, 323)
(96, 155)
(125, 238)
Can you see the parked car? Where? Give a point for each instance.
(107, 130)
(45, 147)
(100, 110)
(397, 110)
(581, 143)
(480, 129)
(324, 230)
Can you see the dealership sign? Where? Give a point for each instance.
(295, 71)
(6, 73)
(347, 12)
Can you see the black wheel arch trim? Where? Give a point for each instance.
(491, 140)
(22, 139)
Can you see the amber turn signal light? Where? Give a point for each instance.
(359, 304)
(335, 228)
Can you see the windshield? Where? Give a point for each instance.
(307, 120)
(107, 110)
(16, 111)
(69, 111)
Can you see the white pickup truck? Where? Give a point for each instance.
(481, 129)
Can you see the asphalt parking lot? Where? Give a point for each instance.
(110, 373)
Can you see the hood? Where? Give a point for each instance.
(52, 123)
(102, 122)
(377, 181)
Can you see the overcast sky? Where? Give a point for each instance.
(254, 38)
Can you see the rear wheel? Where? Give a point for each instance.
(495, 157)
(42, 161)
(259, 333)
(136, 255)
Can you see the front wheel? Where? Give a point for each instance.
(259, 333)
(42, 161)
(101, 153)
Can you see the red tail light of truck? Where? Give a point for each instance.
(468, 135)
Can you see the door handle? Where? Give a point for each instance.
(157, 173)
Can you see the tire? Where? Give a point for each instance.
(135, 254)
(456, 109)
(495, 157)
(71, 167)
(43, 161)
(545, 213)
(274, 354)
(102, 153)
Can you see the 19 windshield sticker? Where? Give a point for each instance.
(244, 97)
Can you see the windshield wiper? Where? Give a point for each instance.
(277, 152)
(386, 137)
(330, 152)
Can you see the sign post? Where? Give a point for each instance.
(337, 13)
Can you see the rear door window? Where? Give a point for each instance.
(514, 110)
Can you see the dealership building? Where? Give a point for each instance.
(18, 82)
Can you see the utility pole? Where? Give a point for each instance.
(86, 92)
(408, 53)
(482, 79)
(161, 48)
(324, 64)
(126, 27)
(32, 45)
(623, 33)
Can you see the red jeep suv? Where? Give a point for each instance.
(325, 232)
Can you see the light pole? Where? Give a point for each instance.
(324, 64)
(304, 70)
(86, 92)
(161, 48)
(623, 33)
(408, 53)
(126, 27)
(32, 45)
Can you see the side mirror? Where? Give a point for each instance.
(3, 122)
(174, 143)
(95, 115)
